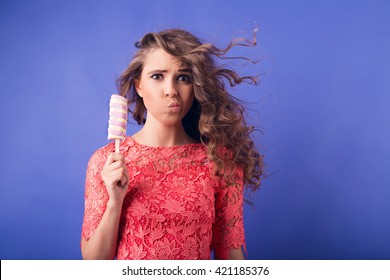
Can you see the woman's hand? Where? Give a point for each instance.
(115, 177)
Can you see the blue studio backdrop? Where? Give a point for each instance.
(322, 108)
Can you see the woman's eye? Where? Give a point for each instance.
(184, 78)
(156, 76)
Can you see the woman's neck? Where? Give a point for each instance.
(162, 136)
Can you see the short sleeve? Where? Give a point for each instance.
(228, 230)
(95, 196)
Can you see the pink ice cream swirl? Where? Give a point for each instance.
(118, 117)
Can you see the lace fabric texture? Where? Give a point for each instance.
(174, 209)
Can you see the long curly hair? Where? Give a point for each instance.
(216, 118)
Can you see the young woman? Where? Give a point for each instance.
(176, 189)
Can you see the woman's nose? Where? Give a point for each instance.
(170, 89)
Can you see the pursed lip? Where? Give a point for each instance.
(174, 104)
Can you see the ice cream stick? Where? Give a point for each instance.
(117, 142)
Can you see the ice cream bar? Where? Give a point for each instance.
(118, 119)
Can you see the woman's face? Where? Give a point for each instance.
(166, 88)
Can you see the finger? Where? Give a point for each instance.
(114, 157)
(115, 180)
(114, 166)
(117, 173)
(124, 181)
(121, 177)
(109, 160)
(118, 157)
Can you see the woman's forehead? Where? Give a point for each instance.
(159, 59)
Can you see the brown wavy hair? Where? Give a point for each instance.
(216, 118)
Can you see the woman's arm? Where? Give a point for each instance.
(228, 229)
(103, 242)
(236, 254)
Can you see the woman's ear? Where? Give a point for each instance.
(137, 87)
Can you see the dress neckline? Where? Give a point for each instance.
(189, 145)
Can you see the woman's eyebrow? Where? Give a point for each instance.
(185, 70)
(157, 71)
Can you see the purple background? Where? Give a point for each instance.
(323, 109)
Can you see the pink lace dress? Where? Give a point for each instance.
(174, 209)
